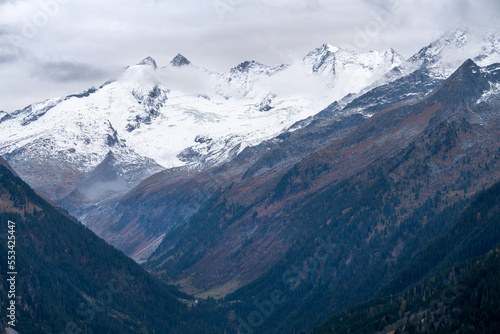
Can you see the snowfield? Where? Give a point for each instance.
(180, 115)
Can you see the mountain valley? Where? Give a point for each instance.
(265, 199)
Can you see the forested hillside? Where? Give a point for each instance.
(71, 281)
(450, 287)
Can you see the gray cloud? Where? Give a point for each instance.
(66, 71)
(216, 34)
(7, 58)
(9, 53)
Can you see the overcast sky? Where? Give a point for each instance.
(50, 48)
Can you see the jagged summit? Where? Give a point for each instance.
(466, 84)
(328, 48)
(319, 56)
(333, 60)
(130, 114)
(324, 49)
(3, 115)
(454, 47)
(246, 66)
(180, 60)
(433, 52)
(148, 61)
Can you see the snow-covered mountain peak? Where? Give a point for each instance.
(246, 66)
(2, 114)
(456, 38)
(322, 50)
(331, 48)
(155, 114)
(148, 61)
(180, 60)
(394, 57)
(249, 79)
(140, 74)
(445, 54)
(332, 59)
(346, 72)
(321, 59)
